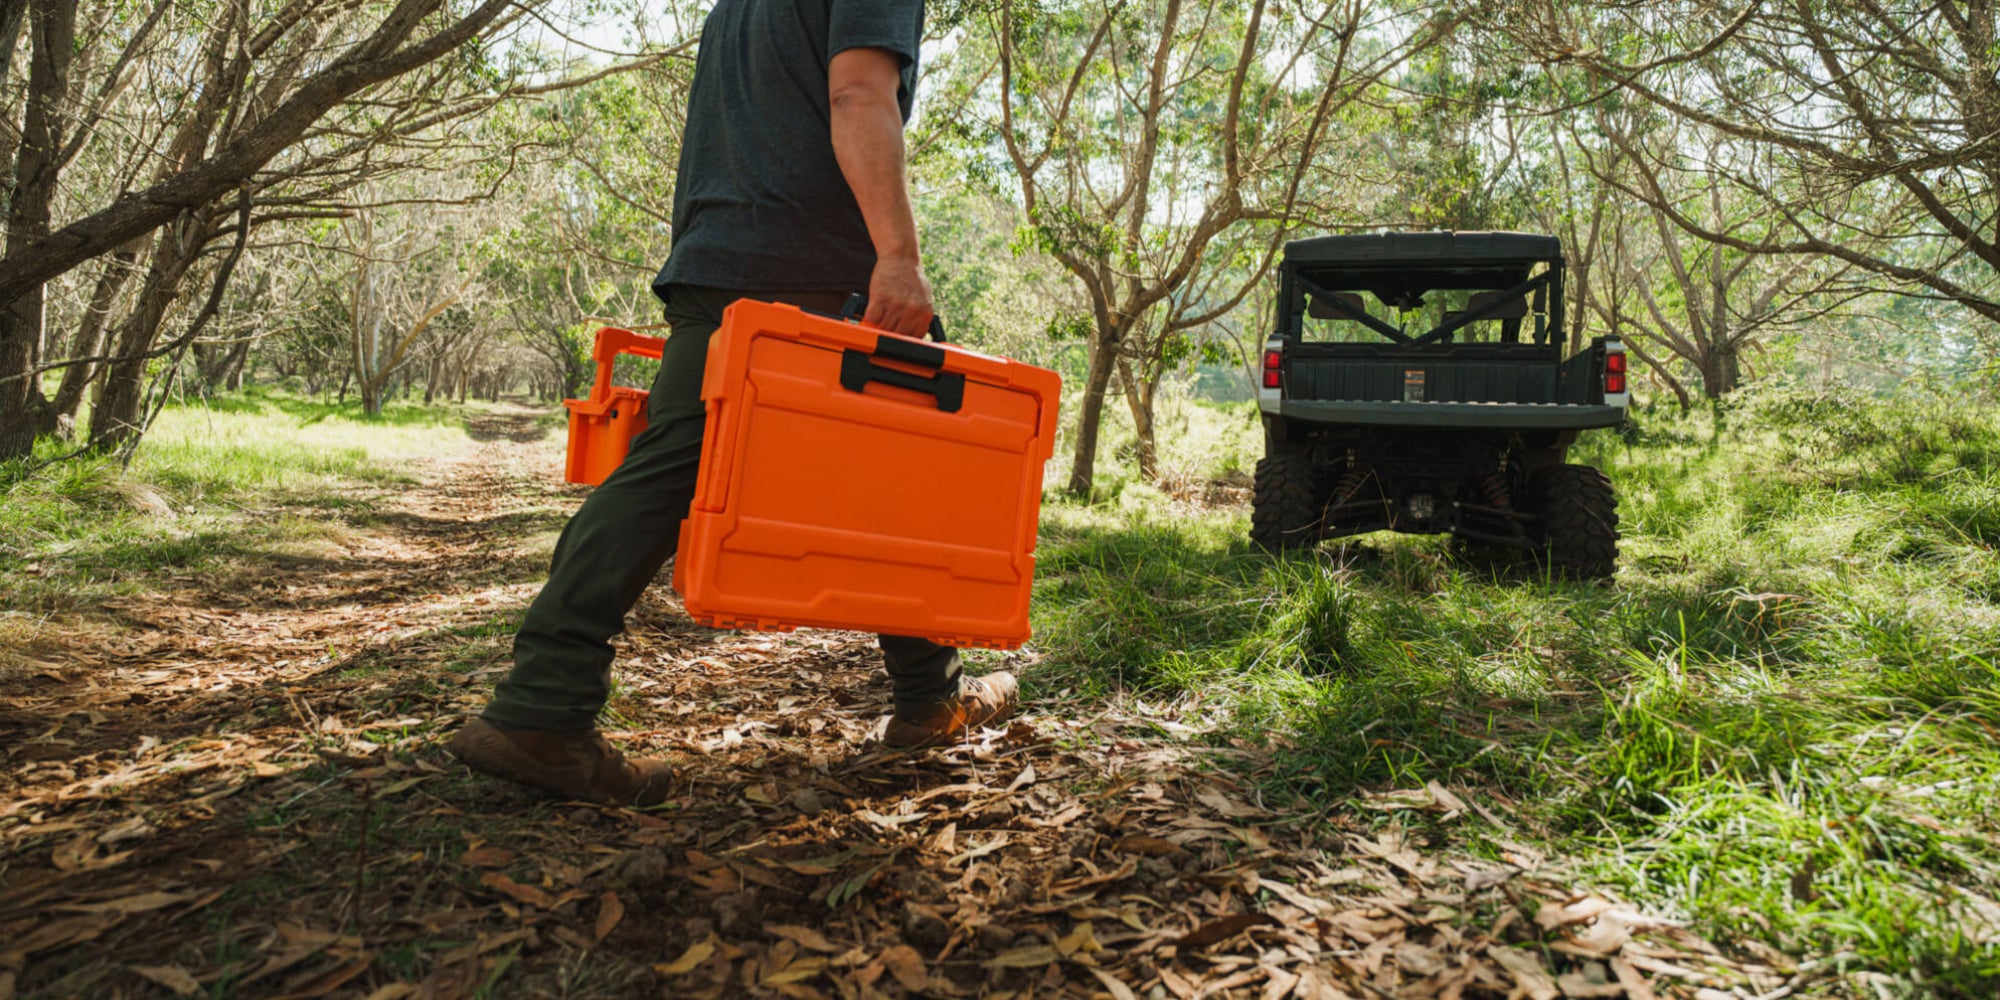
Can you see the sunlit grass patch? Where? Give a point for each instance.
(1781, 721)
(214, 481)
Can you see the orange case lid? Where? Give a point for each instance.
(855, 479)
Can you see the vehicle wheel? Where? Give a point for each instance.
(1579, 520)
(1285, 508)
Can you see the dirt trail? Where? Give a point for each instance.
(236, 786)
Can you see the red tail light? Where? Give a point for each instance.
(1614, 372)
(1615, 363)
(1614, 383)
(1271, 361)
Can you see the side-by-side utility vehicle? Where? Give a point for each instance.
(1417, 382)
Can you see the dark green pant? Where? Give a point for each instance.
(628, 528)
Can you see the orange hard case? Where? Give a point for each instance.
(601, 428)
(855, 479)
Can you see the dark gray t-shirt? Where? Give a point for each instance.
(759, 200)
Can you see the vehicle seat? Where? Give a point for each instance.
(1509, 314)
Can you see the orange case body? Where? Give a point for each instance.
(602, 427)
(855, 479)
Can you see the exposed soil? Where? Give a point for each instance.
(235, 785)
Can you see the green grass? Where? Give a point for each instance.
(205, 486)
(1792, 680)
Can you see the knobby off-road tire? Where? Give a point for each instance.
(1285, 509)
(1579, 520)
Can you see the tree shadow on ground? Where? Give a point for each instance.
(519, 428)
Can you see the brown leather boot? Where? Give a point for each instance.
(987, 700)
(574, 765)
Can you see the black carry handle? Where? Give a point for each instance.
(858, 368)
(857, 304)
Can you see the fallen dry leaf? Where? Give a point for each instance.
(1281, 984)
(797, 972)
(143, 902)
(1223, 929)
(819, 866)
(1214, 799)
(1577, 987)
(696, 954)
(1071, 885)
(721, 880)
(804, 937)
(73, 855)
(999, 841)
(1150, 846)
(62, 933)
(1445, 799)
(1030, 957)
(907, 966)
(130, 829)
(1401, 798)
(1175, 983)
(1292, 895)
(487, 857)
(1602, 937)
(1082, 939)
(329, 981)
(1486, 878)
(1116, 986)
(519, 893)
(888, 822)
(1636, 986)
(609, 912)
(1530, 978)
(172, 977)
(1575, 911)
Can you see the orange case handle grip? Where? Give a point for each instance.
(857, 304)
(611, 342)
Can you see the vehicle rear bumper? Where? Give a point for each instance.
(1513, 416)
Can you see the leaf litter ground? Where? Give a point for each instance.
(234, 785)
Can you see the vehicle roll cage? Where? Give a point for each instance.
(1546, 287)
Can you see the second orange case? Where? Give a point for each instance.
(856, 479)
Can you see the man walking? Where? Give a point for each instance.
(791, 188)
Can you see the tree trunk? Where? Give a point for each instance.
(1083, 469)
(89, 340)
(116, 420)
(431, 383)
(11, 16)
(221, 367)
(24, 411)
(1139, 396)
(1721, 368)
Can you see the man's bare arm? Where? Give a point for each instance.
(868, 142)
